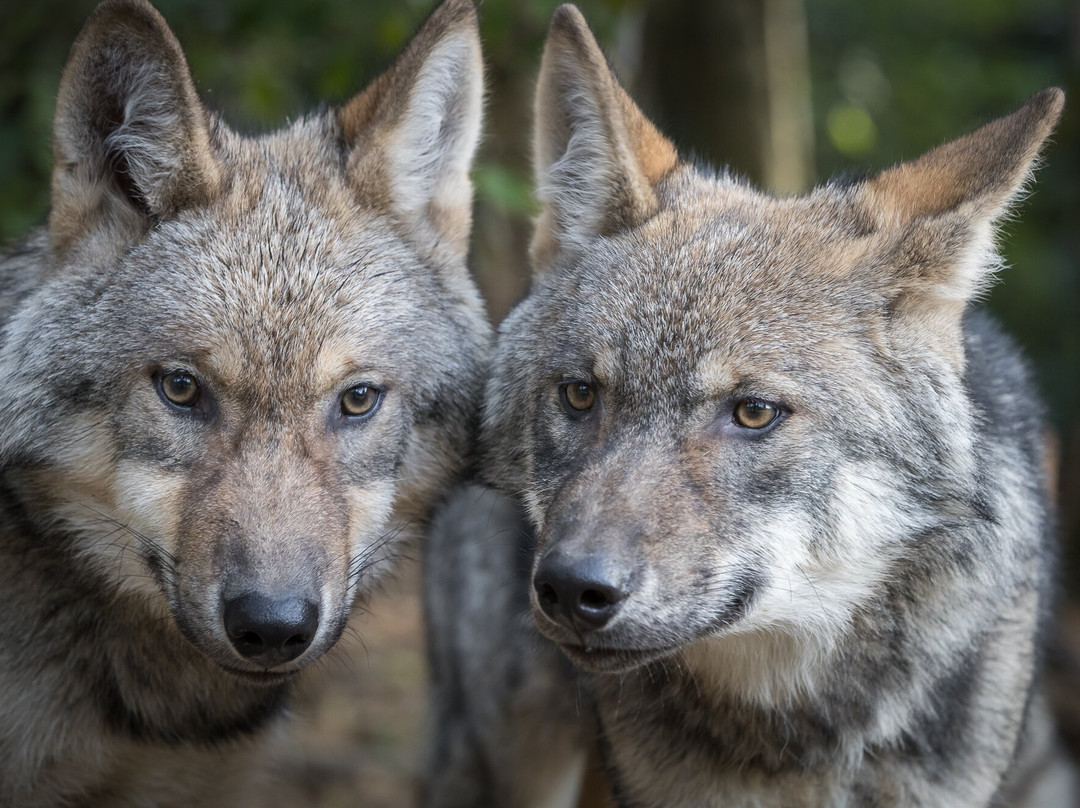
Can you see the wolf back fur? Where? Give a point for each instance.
(279, 273)
(841, 608)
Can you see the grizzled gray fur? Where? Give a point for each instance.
(238, 372)
(783, 488)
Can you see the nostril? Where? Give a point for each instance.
(298, 639)
(596, 604)
(547, 595)
(249, 638)
(595, 599)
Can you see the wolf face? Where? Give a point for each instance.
(736, 415)
(250, 364)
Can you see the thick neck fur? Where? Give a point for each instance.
(775, 721)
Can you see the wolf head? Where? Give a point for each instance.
(727, 412)
(252, 363)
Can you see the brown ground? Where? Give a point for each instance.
(358, 732)
(1065, 677)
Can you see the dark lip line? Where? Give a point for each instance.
(575, 645)
(260, 677)
(613, 660)
(603, 651)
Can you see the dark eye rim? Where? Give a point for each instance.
(564, 399)
(780, 413)
(380, 395)
(196, 406)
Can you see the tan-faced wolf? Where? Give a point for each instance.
(237, 374)
(786, 486)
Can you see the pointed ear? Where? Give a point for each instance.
(597, 158)
(413, 133)
(935, 217)
(978, 174)
(938, 211)
(131, 140)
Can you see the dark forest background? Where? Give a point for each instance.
(786, 92)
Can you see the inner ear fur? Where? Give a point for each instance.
(131, 139)
(938, 215)
(413, 133)
(597, 158)
(943, 204)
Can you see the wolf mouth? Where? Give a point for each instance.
(599, 659)
(265, 677)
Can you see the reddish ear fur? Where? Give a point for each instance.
(981, 171)
(597, 157)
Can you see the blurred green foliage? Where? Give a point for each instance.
(925, 71)
(889, 80)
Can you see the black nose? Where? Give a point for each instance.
(579, 593)
(269, 631)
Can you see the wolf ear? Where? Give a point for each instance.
(413, 132)
(131, 140)
(597, 158)
(938, 211)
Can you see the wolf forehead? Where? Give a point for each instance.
(751, 277)
(285, 263)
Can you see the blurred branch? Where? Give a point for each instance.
(731, 81)
(788, 161)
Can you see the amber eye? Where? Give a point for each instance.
(754, 414)
(578, 396)
(180, 388)
(360, 401)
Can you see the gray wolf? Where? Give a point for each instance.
(784, 512)
(238, 372)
